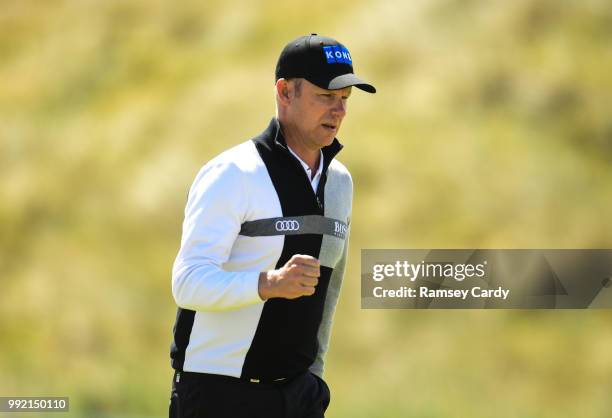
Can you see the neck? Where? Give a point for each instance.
(309, 155)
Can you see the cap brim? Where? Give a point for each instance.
(350, 79)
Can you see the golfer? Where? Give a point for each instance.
(263, 252)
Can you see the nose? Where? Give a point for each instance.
(339, 108)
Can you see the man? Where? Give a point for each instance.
(263, 252)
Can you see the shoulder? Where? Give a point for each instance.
(339, 172)
(240, 158)
(232, 164)
(226, 173)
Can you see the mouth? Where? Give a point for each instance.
(329, 127)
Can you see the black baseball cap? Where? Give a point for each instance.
(323, 61)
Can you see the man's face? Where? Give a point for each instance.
(316, 113)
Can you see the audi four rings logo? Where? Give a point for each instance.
(283, 226)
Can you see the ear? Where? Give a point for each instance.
(283, 90)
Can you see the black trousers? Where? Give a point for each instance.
(198, 395)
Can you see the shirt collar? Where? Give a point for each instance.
(307, 167)
(274, 137)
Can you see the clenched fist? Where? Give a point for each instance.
(298, 277)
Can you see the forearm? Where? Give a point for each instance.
(209, 288)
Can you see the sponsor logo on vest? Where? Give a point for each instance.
(284, 226)
(339, 229)
(337, 55)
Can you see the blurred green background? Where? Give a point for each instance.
(492, 128)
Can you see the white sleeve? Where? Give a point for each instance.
(213, 215)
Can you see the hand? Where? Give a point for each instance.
(298, 277)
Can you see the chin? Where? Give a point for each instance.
(325, 138)
(328, 141)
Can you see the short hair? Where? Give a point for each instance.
(297, 83)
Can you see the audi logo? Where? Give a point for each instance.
(283, 226)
